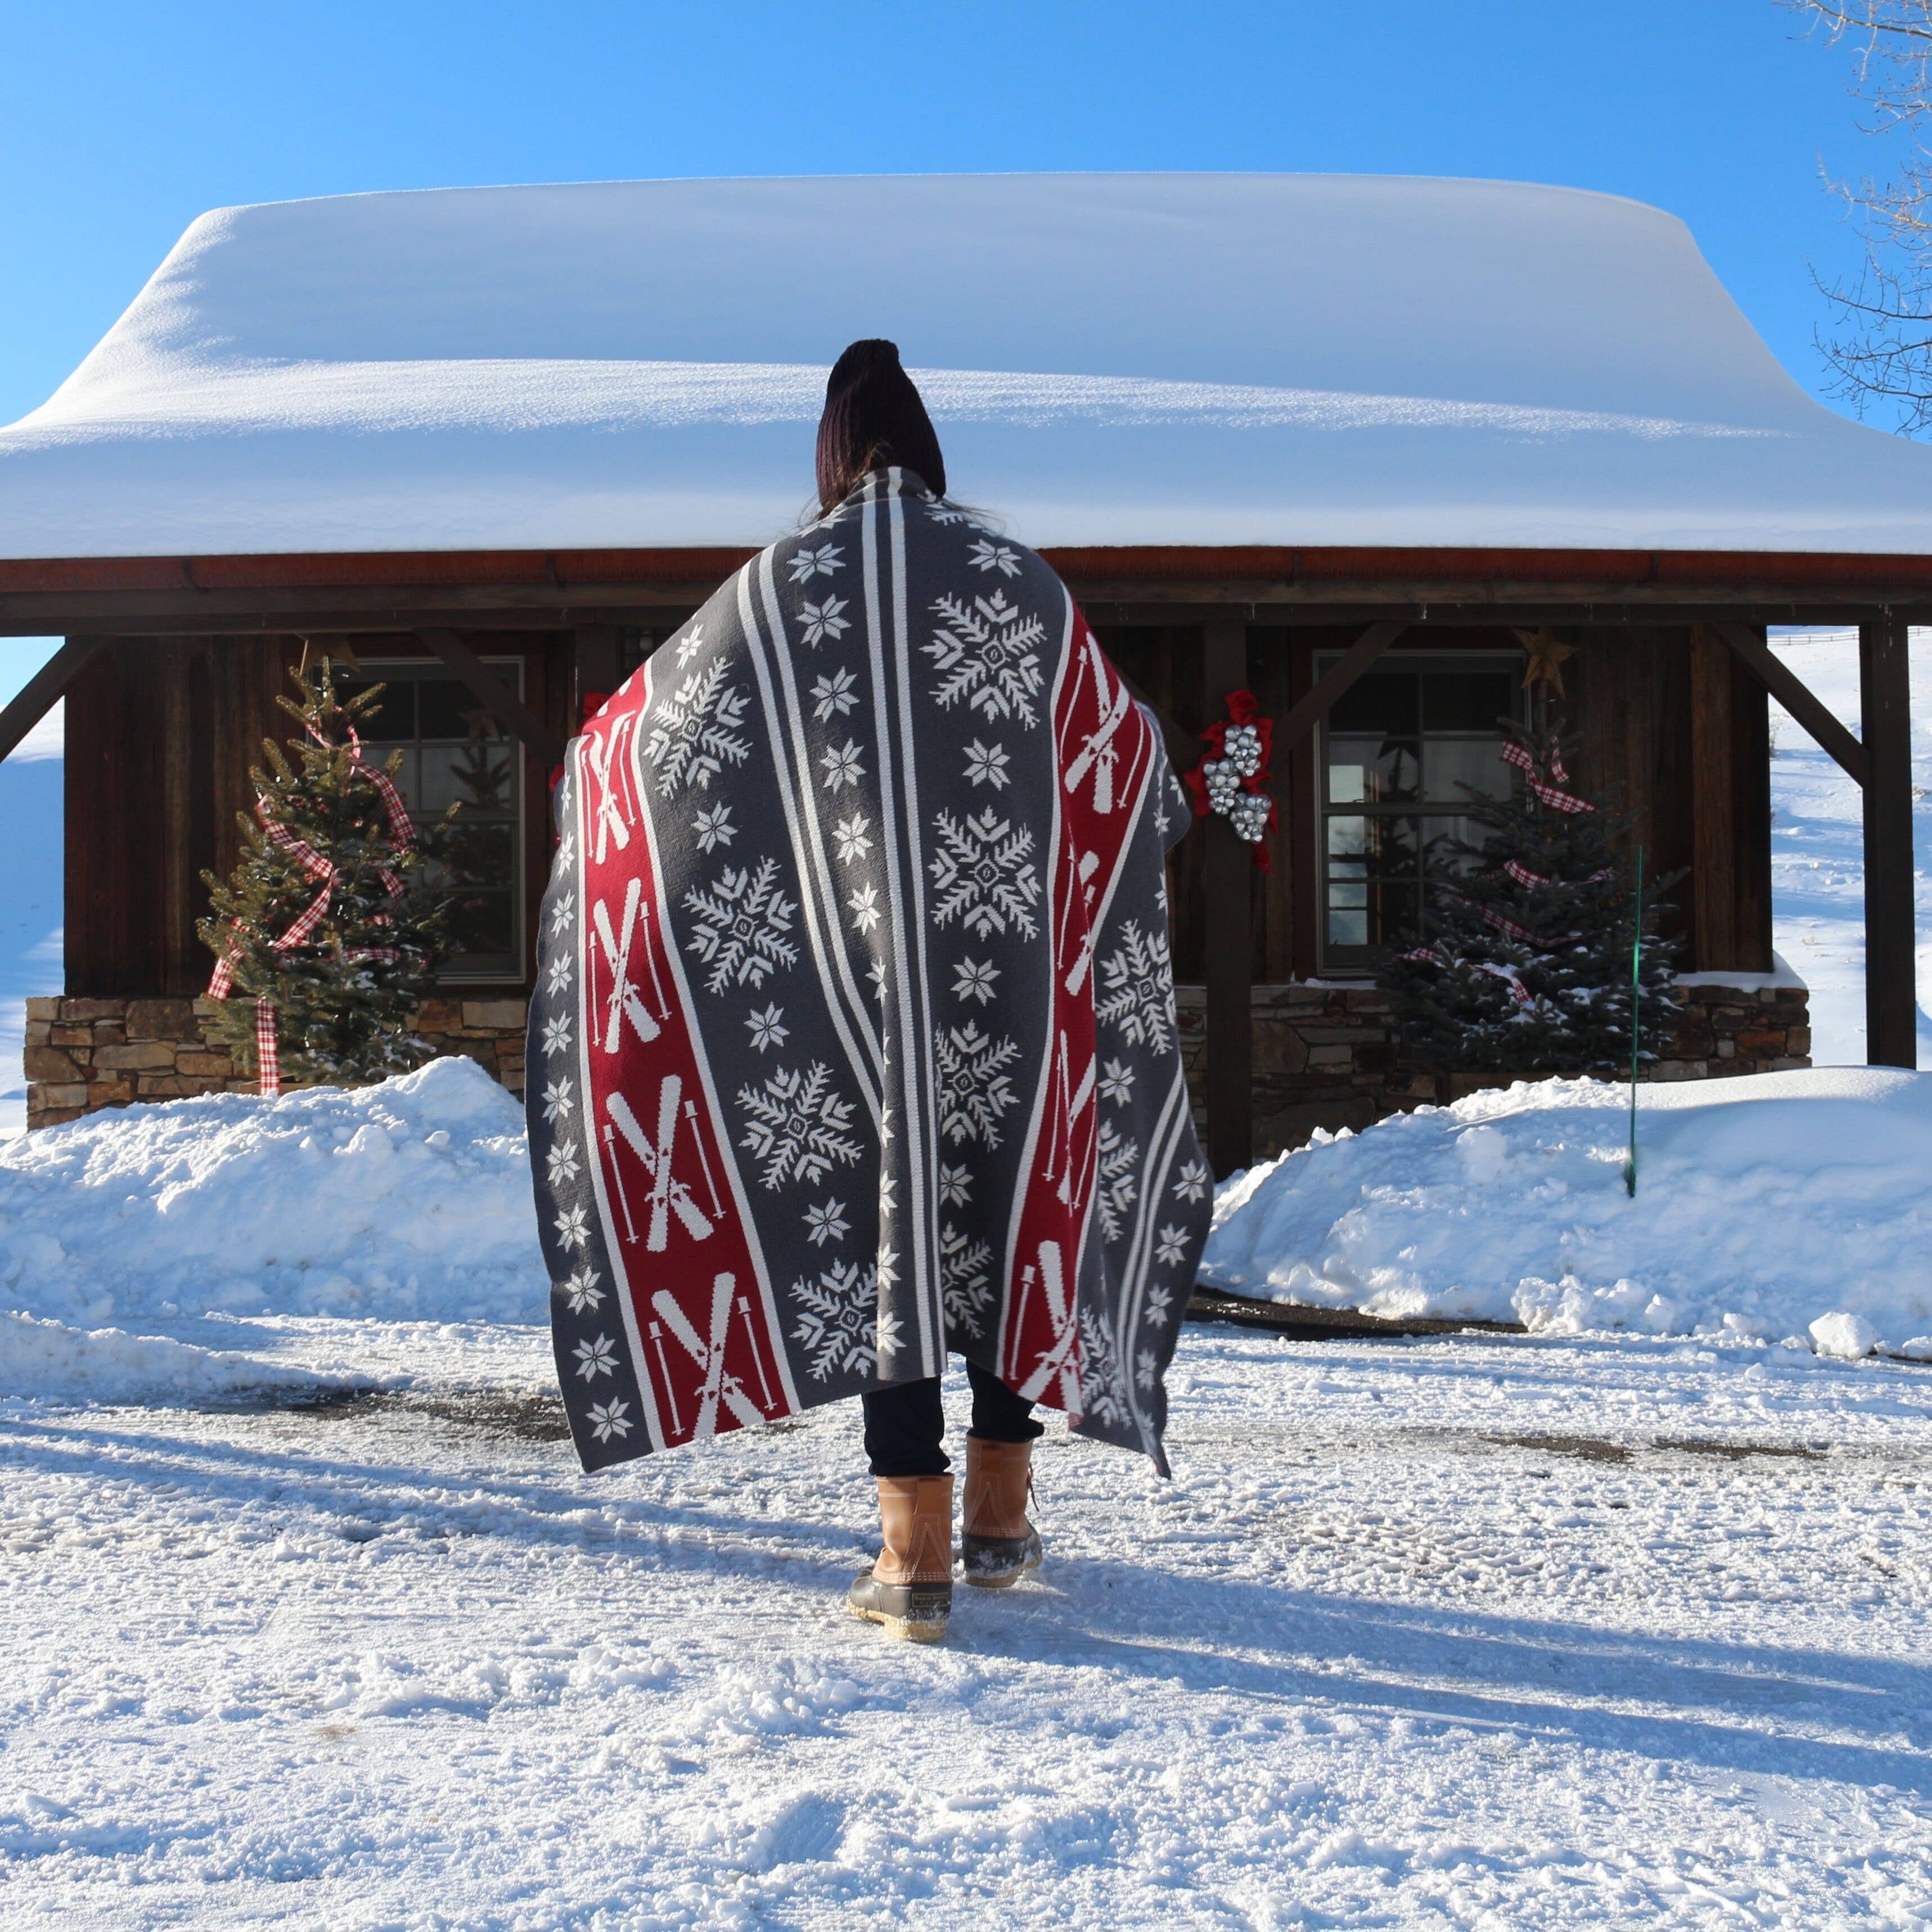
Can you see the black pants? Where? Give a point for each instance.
(905, 1425)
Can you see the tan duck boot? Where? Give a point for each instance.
(910, 1588)
(1000, 1545)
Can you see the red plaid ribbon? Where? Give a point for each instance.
(1429, 955)
(1558, 800)
(267, 1052)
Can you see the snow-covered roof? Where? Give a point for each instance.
(1190, 358)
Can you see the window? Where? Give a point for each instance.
(1397, 750)
(453, 751)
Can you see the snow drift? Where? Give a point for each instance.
(193, 1221)
(1766, 1207)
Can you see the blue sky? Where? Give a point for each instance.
(119, 124)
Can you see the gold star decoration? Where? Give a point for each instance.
(1543, 656)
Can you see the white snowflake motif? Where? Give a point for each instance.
(1147, 1366)
(842, 766)
(1118, 1184)
(572, 1227)
(820, 621)
(558, 1100)
(799, 1126)
(1159, 1301)
(889, 1334)
(989, 652)
(864, 908)
(835, 695)
(965, 1283)
(975, 1089)
(1103, 1388)
(1139, 988)
(1172, 1246)
(984, 874)
(838, 1318)
(1117, 1083)
(596, 1357)
(559, 974)
(610, 1418)
(566, 851)
(561, 1162)
(827, 1222)
(951, 513)
(690, 644)
(713, 828)
(876, 972)
(561, 912)
(986, 764)
(973, 979)
(889, 1268)
(556, 1034)
(581, 1286)
(987, 555)
(741, 922)
(955, 1185)
(849, 834)
(1191, 1183)
(695, 735)
(766, 1028)
(808, 563)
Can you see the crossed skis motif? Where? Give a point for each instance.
(718, 1386)
(625, 1002)
(669, 1195)
(1057, 1359)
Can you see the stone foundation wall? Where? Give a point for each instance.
(1326, 1056)
(84, 1054)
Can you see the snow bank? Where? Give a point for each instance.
(1788, 1204)
(195, 1220)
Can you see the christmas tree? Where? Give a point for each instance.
(330, 924)
(1525, 960)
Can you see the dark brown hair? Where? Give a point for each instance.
(874, 419)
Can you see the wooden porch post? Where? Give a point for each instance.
(1227, 876)
(1891, 1003)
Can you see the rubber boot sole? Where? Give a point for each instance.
(999, 1562)
(913, 1612)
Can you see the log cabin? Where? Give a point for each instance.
(1341, 441)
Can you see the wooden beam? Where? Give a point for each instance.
(1891, 1002)
(1797, 697)
(1713, 819)
(1227, 879)
(496, 697)
(42, 691)
(1304, 718)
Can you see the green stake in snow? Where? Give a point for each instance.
(1637, 995)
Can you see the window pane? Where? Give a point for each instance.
(449, 711)
(1347, 928)
(1463, 701)
(480, 776)
(1450, 763)
(1364, 770)
(1384, 702)
(479, 923)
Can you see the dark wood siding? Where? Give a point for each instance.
(161, 735)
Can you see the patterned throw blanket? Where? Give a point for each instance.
(854, 1038)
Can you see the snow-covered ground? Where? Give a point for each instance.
(1474, 1633)
(311, 1617)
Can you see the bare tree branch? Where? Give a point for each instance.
(1880, 350)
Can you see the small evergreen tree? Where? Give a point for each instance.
(330, 914)
(1525, 962)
